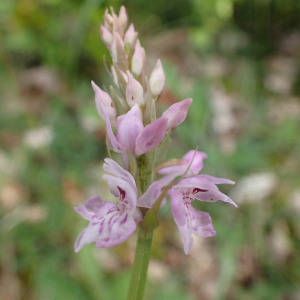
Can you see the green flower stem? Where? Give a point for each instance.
(141, 262)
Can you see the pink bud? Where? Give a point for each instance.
(115, 44)
(177, 112)
(106, 36)
(123, 17)
(157, 79)
(134, 91)
(137, 61)
(103, 97)
(130, 34)
(108, 19)
(115, 77)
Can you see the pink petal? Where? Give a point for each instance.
(115, 184)
(177, 112)
(154, 190)
(115, 169)
(107, 230)
(93, 207)
(177, 206)
(216, 180)
(200, 223)
(114, 144)
(196, 182)
(115, 230)
(87, 236)
(214, 196)
(194, 169)
(137, 216)
(197, 163)
(151, 136)
(187, 238)
(130, 126)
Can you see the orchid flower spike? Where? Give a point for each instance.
(110, 224)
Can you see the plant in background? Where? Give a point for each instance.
(142, 139)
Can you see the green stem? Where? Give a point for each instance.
(140, 266)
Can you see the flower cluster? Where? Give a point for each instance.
(141, 138)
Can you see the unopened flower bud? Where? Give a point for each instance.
(134, 91)
(130, 34)
(103, 97)
(115, 76)
(137, 61)
(157, 79)
(108, 20)
(123, 17)
(106, 36)
(114, 45)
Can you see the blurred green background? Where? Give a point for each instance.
(238, 60)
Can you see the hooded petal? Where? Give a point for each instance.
(103, 97)
(118, 186)
(177, 112)
(154, 190)
(93, 207)
(115, 169)
(151, 136)
(130, 126)
(113, 143)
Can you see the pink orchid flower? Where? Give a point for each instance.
(110, 224)
(134, 137)
(187, 218)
